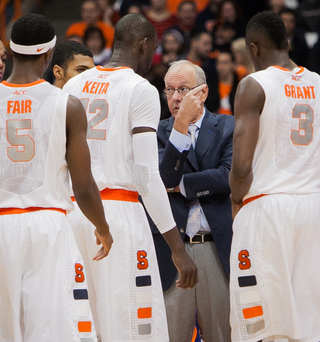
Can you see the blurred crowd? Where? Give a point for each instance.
(209, 33)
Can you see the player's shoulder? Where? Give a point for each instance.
(144, 86)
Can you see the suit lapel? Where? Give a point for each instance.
(207, 135)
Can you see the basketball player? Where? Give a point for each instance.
(43, 290)
(3, 57)
(70, 58)
(275, 185)
(123, 112)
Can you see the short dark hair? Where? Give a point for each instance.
(270, 26)
(91, 30)
(64, 53)
(31, 29)
(133, 27)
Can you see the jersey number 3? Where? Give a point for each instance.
(304, 135)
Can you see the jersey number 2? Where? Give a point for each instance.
(102, 107)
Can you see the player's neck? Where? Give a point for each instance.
(119, 59)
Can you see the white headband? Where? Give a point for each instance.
(33, 49)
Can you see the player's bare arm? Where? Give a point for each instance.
(155, 198)
(249, 102)
(85, 189)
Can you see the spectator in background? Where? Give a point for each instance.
(160, 17)
(299, 50)
(3, 57)
(228, 81)
(94, 40)
(172, 42)
(275, 5)
(242, 63)
(107, 13)
(173, 5)
(207, 19)
(199, 54)
(69, 59)
(309, 12)
(229, 11)
(224, 34)
(90, 17)
(187, 15)
(135, 8)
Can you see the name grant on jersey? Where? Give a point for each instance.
(95, 87)
(298, 92)
(19, 107)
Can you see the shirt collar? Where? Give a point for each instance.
(199, 122)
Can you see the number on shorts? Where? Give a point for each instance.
(23, 150)
(142, 260)
(79, 273)
(304, 113)
(244, 261)
(102, 107)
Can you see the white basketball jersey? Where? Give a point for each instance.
(116, 101)
(33, 166)
(287, 155)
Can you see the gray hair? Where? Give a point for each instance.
(199, 73)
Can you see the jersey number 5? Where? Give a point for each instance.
(23, 145)
(100, 107)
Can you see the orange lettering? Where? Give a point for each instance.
(306, 91)
(245, 262)
(313, 94)
(299, 92)
(287, 90)
(93, 88)
(142, 260)
(79, 273)
(105, 88)
(86, 87)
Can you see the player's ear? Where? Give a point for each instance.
(143, 45)
(255, 48)
(58, 72)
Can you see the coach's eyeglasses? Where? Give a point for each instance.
(182, 91)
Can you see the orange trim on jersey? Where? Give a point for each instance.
(13, 85)
(144, 313)
(301, 70)
(256, 311)
(99, 67)
(117, 195)
(251, 199)
(11, 211)
(284, 69)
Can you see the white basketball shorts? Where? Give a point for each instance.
(275, 269)
(43, 290)
(125, 291)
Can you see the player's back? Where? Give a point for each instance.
(287, 155)
(34, 170)
(114, 100)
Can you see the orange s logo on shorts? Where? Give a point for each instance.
(142, 260)
(79, 273)
(245, 262)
